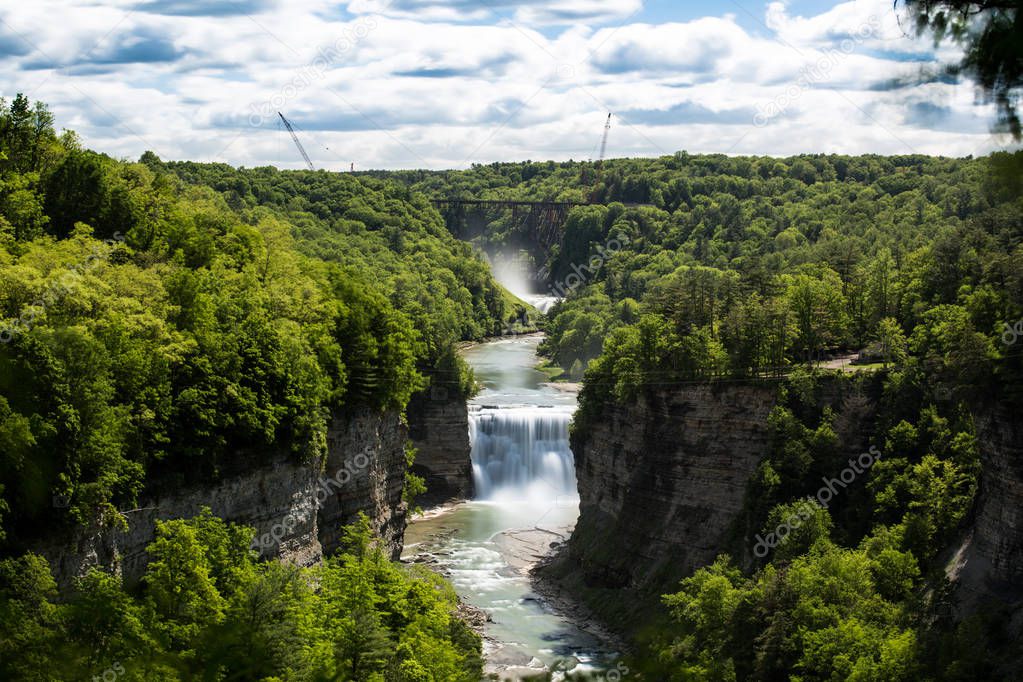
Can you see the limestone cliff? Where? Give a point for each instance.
(439, 430)
(297, 508)
(372, 448)
(661, 481)
(989, 564)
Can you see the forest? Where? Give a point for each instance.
(170, 322)
(744, 266)
(165, 324)
(690, 269)
(208, 610)
(157, 327)
(779, 389)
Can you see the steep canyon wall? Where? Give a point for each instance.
(439, 430)
(297, 508)
(662, 483)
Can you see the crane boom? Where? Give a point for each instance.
(599, 165)
(299, 144)
(603, 141)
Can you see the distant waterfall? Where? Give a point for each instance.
(521, 452)
(541, 302)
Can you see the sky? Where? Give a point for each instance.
(449, 83)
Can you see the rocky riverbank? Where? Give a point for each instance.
(519, 551)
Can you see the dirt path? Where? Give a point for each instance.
(844, 363)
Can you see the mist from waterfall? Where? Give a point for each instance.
(517, 276)
(514, 274)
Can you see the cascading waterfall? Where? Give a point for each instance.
(521, 452)
(541, 302)
(525, 498)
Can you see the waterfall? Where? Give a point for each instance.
(541, 302)
(521, 452)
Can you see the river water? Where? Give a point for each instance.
(526, 499)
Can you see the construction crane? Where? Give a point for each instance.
(603, 141)
(600, 160)
(299, 144)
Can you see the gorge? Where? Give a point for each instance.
(664, 488)
(525, 501)
(224, 390)
(520, 341)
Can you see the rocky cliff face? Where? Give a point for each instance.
(989, 565)
(661, 482)
(439, 429)
(297, 508)
(371, 448)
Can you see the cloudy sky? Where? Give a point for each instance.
(447, 83)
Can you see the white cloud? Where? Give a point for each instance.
(407, 85)
(529, 12)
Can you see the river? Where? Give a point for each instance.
(526, 499)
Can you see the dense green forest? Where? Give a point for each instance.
(745, 266)
(157, 327)
(209, 611)
(167, 324)
(710, 268)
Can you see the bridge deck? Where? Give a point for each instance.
(501, 203)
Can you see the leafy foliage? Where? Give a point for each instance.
(846, 586)
(990, 35)
(772, 262)
(757, 269)
(166, 323)
(163, 324)
(208, 610)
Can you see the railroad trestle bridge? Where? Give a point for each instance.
(543, 219)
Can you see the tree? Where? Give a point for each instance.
(263, 631)
(77, 191)
(951, 348)
(23, 208)
(805, 522)
(991, 34)
(892, 341)
(179, 584)
(103, 614)
(30, 632)
(705, 608)
(818, 307)
(25, 132)
(880, 281)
